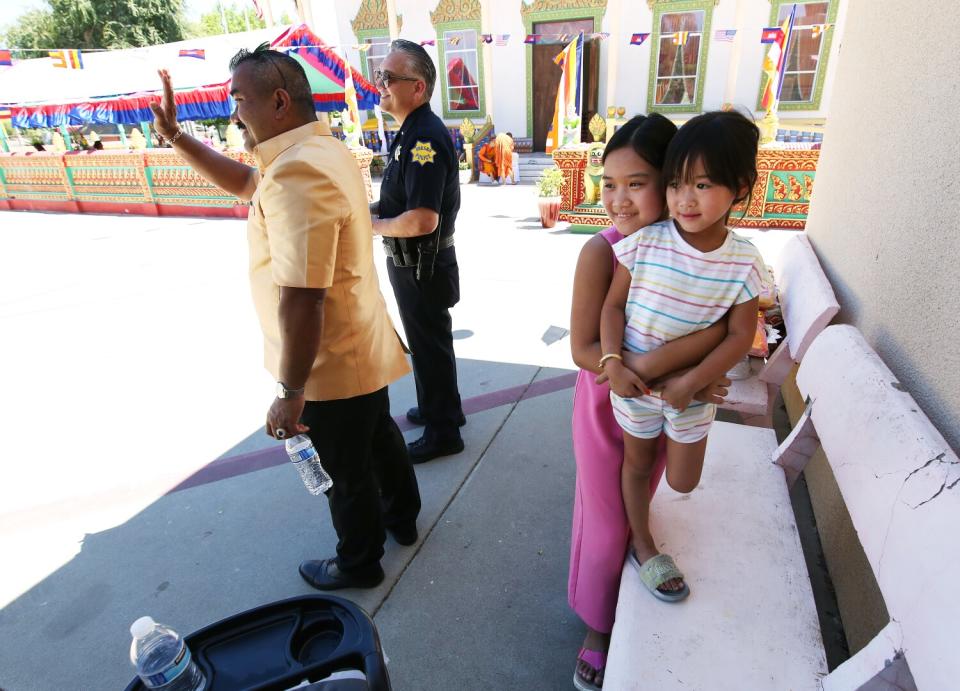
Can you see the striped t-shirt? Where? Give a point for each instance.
(677, 289)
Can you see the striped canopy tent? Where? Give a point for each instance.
(115, 87)
(326, 70)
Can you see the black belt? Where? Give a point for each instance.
(445, 243)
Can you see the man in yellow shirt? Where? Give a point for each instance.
(327, 337)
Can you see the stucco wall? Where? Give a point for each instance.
(884, 221)
(885, 217)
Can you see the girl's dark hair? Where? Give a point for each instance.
(725, 142)
(647, 135)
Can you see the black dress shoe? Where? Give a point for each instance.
(404, 535)
(324, 574)
(414, 417)
(422, 450)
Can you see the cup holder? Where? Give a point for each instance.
(317, 640)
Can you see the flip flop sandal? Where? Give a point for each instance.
(595, 659)
(656, 571)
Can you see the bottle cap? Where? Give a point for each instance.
(142, 626)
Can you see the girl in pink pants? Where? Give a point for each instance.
(633, 198)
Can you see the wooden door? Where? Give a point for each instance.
(546, 76)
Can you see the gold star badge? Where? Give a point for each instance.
(423, 153)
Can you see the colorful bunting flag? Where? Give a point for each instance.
(198, 53)
(67, 59)
(363, 47)
(680, 38)
(772, 35)
(725, 35)
(502, 39)
(454, 40)
(638, 39)
(532, 39)
(486, 38)
(818, 29)
(429, 42)
(5, 57)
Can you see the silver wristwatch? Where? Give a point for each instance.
(284, 392)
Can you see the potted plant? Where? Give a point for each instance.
(548, 191)
(376, 166)
(465, 171)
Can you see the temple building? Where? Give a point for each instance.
(495, 58)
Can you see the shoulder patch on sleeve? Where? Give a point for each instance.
(423, 153)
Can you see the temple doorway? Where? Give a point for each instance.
(546, 77)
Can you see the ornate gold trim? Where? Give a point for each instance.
(455, 11)
(552, 5)
(371, 15)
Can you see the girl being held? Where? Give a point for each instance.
(675, 278)
(633, 197)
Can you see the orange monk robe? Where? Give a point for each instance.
(488, 164)
(503, 156)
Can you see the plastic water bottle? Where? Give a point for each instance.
(163, 659)
(304, 457)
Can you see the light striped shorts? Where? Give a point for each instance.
(645, 417)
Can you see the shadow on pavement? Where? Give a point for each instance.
(480, 600)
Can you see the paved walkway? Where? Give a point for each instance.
(136, 480)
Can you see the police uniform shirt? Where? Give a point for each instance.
(422, 170)
(309, 227)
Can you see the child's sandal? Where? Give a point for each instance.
(656, 571)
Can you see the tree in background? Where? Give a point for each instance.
(210, 24)
(98, 24)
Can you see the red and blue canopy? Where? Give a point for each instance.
(325, 70)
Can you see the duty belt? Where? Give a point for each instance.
(420, 252)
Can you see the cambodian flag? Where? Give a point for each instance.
(772, 35)
(638, 39)
(198, 53)
(5, 58)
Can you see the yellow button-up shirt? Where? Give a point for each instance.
(309, 227)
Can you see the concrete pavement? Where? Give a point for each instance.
(132, 368)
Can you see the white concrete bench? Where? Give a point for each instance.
(808, 305)
(750, 623)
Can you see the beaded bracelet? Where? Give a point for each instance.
(175, 137)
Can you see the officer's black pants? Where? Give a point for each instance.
(374, 485)
(425, 313)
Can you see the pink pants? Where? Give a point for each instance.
(601, 532)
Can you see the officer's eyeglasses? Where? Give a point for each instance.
(381, 77)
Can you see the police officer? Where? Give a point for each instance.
(419, 200)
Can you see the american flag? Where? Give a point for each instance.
(502, 39)
(726, 35)
(198, 53)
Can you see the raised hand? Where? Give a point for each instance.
(165, 112)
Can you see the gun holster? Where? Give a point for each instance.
(415, 252)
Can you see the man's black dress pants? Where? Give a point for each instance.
(425, 313)
(374, 485)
